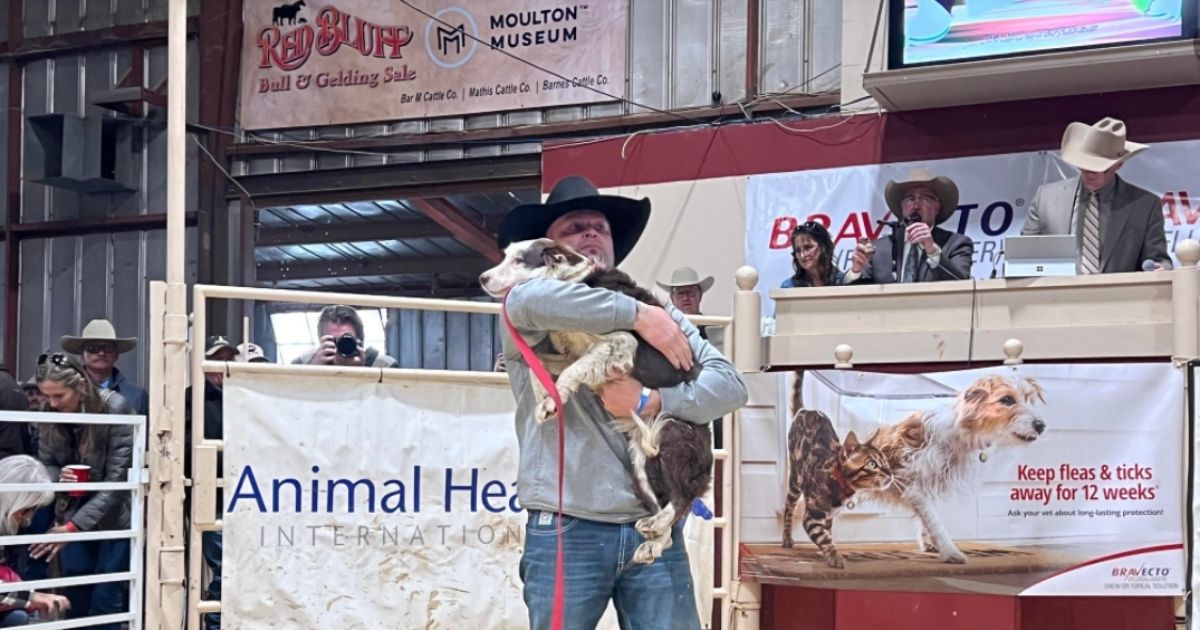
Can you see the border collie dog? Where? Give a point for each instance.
(672, 459)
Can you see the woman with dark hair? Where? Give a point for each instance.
(107, 450)
(812, 258)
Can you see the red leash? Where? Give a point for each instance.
(543, 375)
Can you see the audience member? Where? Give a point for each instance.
(100, 347)
(812, 258)
(687, 291)
(107, 451)
(335, 324)
(1118, 226)
(17, 510)
(251, 353)
(918, 250)
(33, 395)
(217, 348)
(14, 436)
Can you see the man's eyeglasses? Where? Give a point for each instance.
(100, 348)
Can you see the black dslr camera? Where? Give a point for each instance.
(347, 346)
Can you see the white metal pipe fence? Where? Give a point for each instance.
(134, 484)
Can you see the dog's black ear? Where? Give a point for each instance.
(553, 256)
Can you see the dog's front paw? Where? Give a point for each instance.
(952, 556)
(544, 410)
(647, 552)
(645, 527)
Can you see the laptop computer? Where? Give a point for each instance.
(1035, 256)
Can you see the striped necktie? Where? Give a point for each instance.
(1090, 251)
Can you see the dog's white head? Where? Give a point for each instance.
(998, 410)
(539, 258)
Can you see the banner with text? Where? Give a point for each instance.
(390, 505)
(355, 61)
(994, 194)
(1036, 480)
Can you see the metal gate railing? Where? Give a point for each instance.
(206, 479)
(134, 484)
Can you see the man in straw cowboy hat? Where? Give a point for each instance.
(686, 290)
(599, 503)
(100, 347)
(918, 250)
(1118, 226)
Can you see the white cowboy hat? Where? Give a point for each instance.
(943, 187)
(686, 277)
(97, 330)
(1098, 147)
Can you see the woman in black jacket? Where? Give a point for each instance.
(107, 450)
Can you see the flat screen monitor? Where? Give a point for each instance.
(926, 32)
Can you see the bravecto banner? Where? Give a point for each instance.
(387, 505)
(994, 193)
(319, 62)
(1032, 480)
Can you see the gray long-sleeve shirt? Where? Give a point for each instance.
(598, 483)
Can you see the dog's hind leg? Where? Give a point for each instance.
(657, 530)
(947, 551)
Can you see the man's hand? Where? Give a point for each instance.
(66, 475)
(620, 398)
(663, 334)
(326, 352)
(862, 254)
(920, 234)
(49, 605)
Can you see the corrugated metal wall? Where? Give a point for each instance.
(680, 53)
(66, 281)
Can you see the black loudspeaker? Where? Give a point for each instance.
(87, 154)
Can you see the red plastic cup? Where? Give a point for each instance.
(82, 474)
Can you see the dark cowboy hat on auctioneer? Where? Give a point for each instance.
(626, 217)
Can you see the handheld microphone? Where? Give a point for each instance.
(1148, 265)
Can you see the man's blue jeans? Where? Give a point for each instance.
(211, 543)
(600, 567)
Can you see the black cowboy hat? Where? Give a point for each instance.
(626, 217)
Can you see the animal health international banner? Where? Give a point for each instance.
(386, 505)
(315, 62)
(1036, 480)
(994, 196)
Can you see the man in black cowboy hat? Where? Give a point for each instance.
(599, 503)
(918, 251)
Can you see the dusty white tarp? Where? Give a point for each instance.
(432, 533)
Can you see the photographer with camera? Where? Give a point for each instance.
(341, 331)
(918, 250)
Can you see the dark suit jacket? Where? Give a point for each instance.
(955, 262)
(14, 436)
(1133, 231)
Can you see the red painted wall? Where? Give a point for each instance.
(764, 147)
